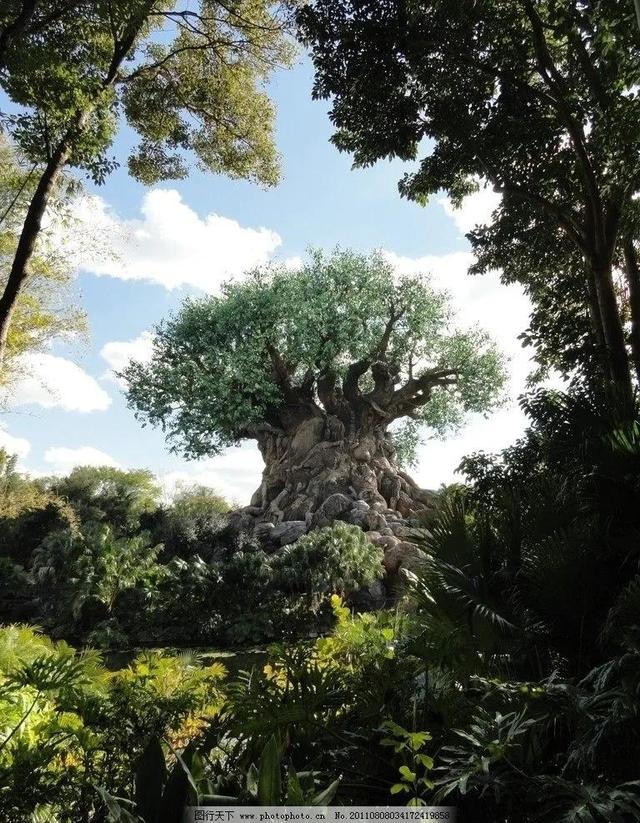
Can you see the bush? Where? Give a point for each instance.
(192, 523)
(80, 575)
(73, 732)
(28, 511)
(15, 589)
(125, 500)
(338, 558)
(185, 602)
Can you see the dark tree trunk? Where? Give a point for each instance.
(615, 345)
(321, 459)
(633, 281)
(28, 238)
(56, 164)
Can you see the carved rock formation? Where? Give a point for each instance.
(321, 473)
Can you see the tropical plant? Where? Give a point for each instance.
(488, 757)
(265, 783)
(80, 743)
(80, 576)
(414, 772)
(337, 558)
(459, 588)
(122, 499)
(28, 510)
(192, 523)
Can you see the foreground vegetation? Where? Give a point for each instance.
(505, 681)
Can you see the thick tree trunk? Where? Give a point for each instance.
(615, 345)
(320, 459)
(633, 282)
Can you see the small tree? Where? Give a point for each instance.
(192, 523)
(121, 499)
(315, 364)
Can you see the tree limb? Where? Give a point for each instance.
(556, 83)
(417, 391)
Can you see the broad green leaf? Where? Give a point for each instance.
(252, 780)
(407, 774)
(174, 797)
(426, 761)
(269, 780)
(295, 796)
(326, 796)
(151, 774)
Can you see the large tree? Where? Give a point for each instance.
(188, 79)
(539, 99)
(316, 364)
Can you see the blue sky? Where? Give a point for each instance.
(70, 410)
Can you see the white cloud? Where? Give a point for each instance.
(170, 245)
(475, 210)
(294, 262)
(19, 446)
(482, 300)
(236, 474)
(503, 311)
(119, 353)
(439, 459)
(62, 460)
(55, 382)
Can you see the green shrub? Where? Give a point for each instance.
(338, 558)
(102, 494)
(15, 588)
(28, 511)
(72, 732)
(192, 523)
(79, 576)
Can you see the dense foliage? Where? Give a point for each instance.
(97, 556)
(506, 682)
(537, 99)
(505, 676)
(341, 335)
(74, 733)
(334, 559)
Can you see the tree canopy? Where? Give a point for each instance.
(185, 79)
(189, 81)
(103, 493)
(536, 98)
(341, 335)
